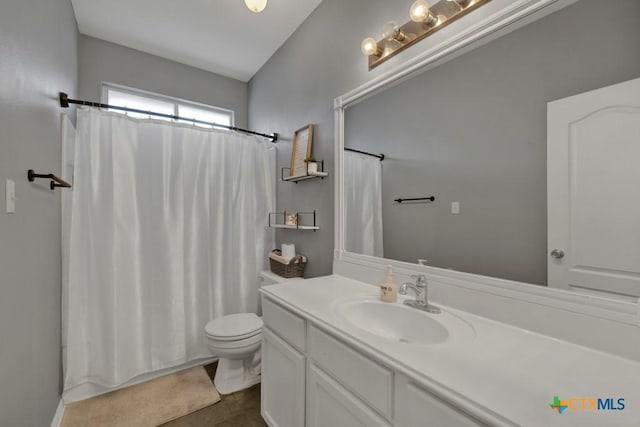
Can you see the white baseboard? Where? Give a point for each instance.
(57, 417)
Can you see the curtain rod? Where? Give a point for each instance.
(65, 101)
(379, 156)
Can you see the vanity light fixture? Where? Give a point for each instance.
(256, 6)
(424, 21)
(461, 3)
(390, 32)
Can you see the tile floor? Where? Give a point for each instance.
(241, 409)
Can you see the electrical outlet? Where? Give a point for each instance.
(10, 196)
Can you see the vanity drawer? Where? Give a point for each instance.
(369, 381)
(417, 406)
(284, 323)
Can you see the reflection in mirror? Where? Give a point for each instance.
(472, 132)
(363, 203)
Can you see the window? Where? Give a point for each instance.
(125, 99)
(147, 101)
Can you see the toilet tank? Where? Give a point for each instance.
(267, 278)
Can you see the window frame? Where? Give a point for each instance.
(165, 98)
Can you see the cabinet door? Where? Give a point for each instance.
(283, 383)
(331, 405)
(369, 381)
(418, 407)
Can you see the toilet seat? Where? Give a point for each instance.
(234, 327)
(229, 348)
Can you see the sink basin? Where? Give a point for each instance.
(400, 323)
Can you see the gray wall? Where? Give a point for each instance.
(315, 65)
(38, 45)
(319, 62)
(101, 61)
(474, 130)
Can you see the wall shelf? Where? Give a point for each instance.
(307, 216)
(320, 173)
(297, 178)
(296, 227)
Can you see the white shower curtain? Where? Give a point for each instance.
(363, 204)
(168, 230)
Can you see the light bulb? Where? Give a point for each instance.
(256, 6)
(419, 11)
(369, 46)
(390, 31)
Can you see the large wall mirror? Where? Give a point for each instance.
(472, 133)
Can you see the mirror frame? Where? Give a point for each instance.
(506, 17)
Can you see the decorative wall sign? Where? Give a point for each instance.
(302, 140)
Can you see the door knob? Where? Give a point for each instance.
(557, 254)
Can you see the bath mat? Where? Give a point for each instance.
(147, 404)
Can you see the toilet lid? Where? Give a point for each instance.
(238, 326)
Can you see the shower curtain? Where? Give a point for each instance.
(363, 204)
(168, 231)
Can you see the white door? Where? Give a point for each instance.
(331, 405)
(283, 383)
(593, 191)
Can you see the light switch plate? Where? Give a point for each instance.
(10, 196)
(455, 208)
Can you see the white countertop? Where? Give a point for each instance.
(510, 371)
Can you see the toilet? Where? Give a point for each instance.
(236, 340)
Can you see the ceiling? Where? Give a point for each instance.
(221, 36)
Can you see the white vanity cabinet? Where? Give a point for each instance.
(330, 404)
(283, 368)
(416, 406)
(311, 378)
(368, 381)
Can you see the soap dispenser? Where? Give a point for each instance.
(388, 289)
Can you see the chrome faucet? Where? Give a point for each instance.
(420, 288)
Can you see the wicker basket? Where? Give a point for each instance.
(295, 267)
